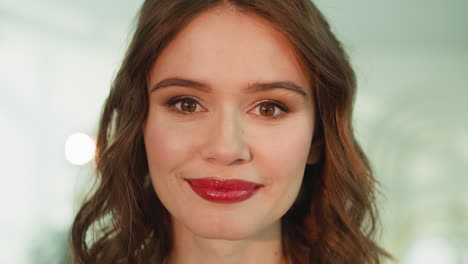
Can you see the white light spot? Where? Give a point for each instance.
(79, 149)
(431, 250)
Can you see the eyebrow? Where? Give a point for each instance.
(252, 87)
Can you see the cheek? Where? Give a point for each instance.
(167, 150)
(282, 157)
(159, 147)
(287, 148)
(166, 146)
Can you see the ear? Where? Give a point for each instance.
(316, 152)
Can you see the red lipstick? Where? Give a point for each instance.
(223, 190)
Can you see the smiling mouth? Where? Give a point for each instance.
(223, 190)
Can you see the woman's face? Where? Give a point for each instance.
(247, 115)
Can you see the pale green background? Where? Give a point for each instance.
(57, 58)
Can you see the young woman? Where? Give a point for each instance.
(227, 138)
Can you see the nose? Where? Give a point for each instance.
(225, 142)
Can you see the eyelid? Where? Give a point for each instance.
(175, 100)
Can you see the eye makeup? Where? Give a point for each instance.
(176, 105)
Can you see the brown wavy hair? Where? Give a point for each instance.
(333, 220)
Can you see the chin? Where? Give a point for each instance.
(225, 231)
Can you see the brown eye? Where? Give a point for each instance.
(188, 105)
(267, 109)
(271, 110)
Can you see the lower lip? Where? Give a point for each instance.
(223, 196)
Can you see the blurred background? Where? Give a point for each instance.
(58, 58)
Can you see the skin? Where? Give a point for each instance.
(227, 136)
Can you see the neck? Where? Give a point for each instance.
(190, 248)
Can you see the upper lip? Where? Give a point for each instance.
(225, 184)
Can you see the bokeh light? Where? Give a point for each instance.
(431, 250)
(79, 149)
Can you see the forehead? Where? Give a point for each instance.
(225, 47)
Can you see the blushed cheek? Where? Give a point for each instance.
(284, 154)
(170, 145)
(163, 147)
(289, 147)
(156, 149)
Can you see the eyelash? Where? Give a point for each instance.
(173, 101)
